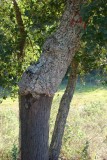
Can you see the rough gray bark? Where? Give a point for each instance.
(41, 80)
(45, 76)
(64, 106)
(34, 117)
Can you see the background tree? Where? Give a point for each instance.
(63, 111)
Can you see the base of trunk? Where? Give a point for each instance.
(34, 127)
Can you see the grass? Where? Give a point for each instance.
(9, 128)
(85, 134)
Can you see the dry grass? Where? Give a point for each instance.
(86, 131)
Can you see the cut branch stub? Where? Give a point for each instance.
(45, 76)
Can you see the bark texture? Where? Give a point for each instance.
(45, 76)
(34, 116)
(58, 132)
(41, 80)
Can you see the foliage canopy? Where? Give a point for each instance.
(40, 19)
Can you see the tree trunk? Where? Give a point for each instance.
(58, 132)
(45, 76)
(34, 117)
(41, 81)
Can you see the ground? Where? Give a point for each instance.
(86, 129)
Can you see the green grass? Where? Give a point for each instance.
(85, 134)
(9, 128)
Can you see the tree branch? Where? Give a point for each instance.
(23, 33)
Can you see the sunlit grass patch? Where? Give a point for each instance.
(86, 129)
(85, 133)
(9, 127)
